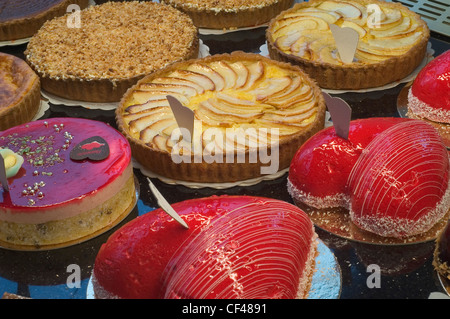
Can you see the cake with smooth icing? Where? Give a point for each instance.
(20, 19)
(116, 44)
(20, 92)
(392, 41)
(228, 14)
(247, 110)
(429, 95)
(235, 247)
(68, 179)
(391, 174)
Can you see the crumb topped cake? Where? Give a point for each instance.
(116, 44)
(226, 14)
(250, 116)
(54, 197)
(20, 92)
(236, 247)
(21, 19)
(392, 41)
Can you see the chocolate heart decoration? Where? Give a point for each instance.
(94, 148)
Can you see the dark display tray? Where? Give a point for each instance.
(406, 271)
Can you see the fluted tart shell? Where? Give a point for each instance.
(230, 14)
(160, 161)
(359, 74)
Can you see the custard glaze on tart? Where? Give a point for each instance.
(235, 98)
(389, 48)
(225, 14)
(21, 19)
(20, 92)
(117, 44)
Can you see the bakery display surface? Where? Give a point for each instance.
(405, 271)
(392, 41)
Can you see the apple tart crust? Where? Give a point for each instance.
(20, 92)
(227, 14)
(118, 44)
(390, 46)
(243, 104)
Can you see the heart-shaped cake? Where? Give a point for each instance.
(429, 95)
(391, 173)
(235, 247)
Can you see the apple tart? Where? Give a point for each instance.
(250, 114)
(226, 14)
(20, 92)
(117, 44)
(21, 19)
(392, 41)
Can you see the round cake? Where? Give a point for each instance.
(429, 95)
(392, 41)
(115, 45)
(250, 116)
(75, 179)
(393, 182)
(20, 19)
(20, 92)
(226, 14)
(235, 247)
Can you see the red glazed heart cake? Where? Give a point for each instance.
(235, 247)
(391, 173)
(54, 199)
(429, 95)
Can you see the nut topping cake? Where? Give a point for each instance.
(20, 92)
(116, 45)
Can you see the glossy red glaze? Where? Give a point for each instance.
(45, 146)
(400, 180)
(322, 165)
(432, 84)
(235, 247)
(392, 173)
